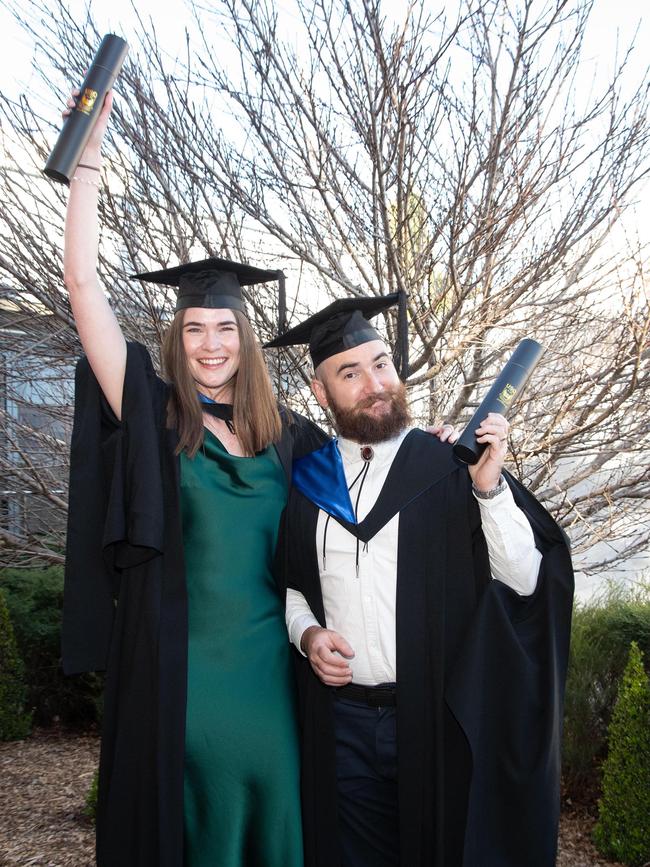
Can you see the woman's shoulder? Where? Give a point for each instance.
(138, 359)
(139, 362)
(142, 385)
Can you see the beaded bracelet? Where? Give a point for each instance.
(85, 181)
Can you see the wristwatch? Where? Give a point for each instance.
(488, 495)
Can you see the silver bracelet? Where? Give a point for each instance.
(85, 181)
(488, 495)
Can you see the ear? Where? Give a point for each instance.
(319, 392)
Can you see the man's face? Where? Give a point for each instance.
(364, 393)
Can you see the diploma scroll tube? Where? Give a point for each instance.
(508, 385)
(74, 135)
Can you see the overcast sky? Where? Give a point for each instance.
(611, 21)
(612, 26)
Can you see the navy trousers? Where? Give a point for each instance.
(366, 769)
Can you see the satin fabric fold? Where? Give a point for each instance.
(321, 478)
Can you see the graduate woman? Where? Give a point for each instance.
(176, 492)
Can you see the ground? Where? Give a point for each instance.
(43, 785)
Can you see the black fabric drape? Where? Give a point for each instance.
(125, 607)
(480, 674)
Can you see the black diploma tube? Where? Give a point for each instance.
(500, 397)
(104, 69)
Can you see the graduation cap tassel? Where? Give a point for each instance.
(402, 338)
(282, 302)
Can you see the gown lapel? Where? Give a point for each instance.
(320, 477)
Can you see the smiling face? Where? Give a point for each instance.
(364, 392)
(211, 344)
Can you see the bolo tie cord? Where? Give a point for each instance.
(361, 475)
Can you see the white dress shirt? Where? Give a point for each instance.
(359, 580)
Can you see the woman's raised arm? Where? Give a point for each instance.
(99, 331)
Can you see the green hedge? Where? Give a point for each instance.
(15, 720)
(623, 829)
(35, 599)
(601, 635)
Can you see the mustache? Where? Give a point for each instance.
(367, 402)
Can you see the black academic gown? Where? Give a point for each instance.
(125, 606)
(480, 675)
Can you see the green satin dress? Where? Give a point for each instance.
(242, 801)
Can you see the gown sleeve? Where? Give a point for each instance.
(115, 512)
(306, 435)
(506, 689)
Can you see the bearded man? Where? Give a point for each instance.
(430, 603)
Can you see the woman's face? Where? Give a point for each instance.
(211, 343)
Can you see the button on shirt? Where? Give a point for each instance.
(359, 580)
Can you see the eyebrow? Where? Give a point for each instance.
(202, 324)
(351, 364)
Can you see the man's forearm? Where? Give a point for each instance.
(514, 559)
(298, 617)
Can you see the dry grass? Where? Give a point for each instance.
(43, 784)
(575, 848)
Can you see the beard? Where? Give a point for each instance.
(361, 426)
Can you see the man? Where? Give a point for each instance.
(431, 603)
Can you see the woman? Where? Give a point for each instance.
(176, 492)
(174, 513)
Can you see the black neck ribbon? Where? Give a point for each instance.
(218, 410)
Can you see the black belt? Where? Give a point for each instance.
(373, 696)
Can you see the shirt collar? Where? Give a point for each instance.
(383, 451)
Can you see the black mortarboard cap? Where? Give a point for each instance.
(339, 326)
(213, 283)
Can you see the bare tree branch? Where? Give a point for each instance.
(364, 152)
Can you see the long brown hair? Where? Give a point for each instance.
(255, 413)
